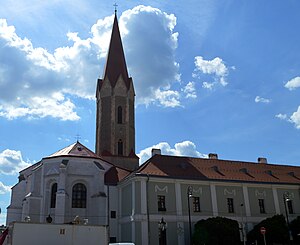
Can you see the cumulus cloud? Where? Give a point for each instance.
(185, 148)
(216, 68)
(281, 116)
(294, 118)
(4, 188)
(207, 85)
(293, 83)
(190, 90)
(37, 83)
(11, 162)
(151, 56)
(259, 99)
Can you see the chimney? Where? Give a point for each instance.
(262, 160)
(213, 156)
(156, 151)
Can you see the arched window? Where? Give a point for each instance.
(120, 147)
(79, 196)
(53, 195)
(120, 115)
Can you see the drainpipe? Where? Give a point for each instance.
(148, 219)
(108, 214)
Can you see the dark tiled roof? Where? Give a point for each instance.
(115, 62)
(76, 149)
(114, 175)
(216, 169)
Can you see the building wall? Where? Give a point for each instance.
(213, 202)
(256, 193)
(35, 191)
(59, 234)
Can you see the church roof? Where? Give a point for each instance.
(76, 149)
(115, 62)
(115, 175)
(219, 170)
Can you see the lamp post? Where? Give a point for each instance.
(189, 195)
(162, 227)
(242, 225)
(286, 198)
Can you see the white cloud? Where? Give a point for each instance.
(281, 116)
(31, 77)
(190, 90)
(11, 162)
(259, 99)
(207, 85)
(293, 83)
(215, 67)
(39, 107)
(185, 148)
(4, 188)
(295, 118)
(168, 98)
(151, 56)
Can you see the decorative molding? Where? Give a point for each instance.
(227, 192)
(52, 171)
(260, 194)
(198, 190)
(163, 189)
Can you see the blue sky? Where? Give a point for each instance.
(210, 77)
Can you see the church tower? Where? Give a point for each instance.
(115, 124)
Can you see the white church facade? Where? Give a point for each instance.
(108, 187)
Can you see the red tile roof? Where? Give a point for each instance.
(114, 175)
(115, 62)
(76, 149)
(216, 169)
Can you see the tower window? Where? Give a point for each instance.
(53, 195)
(79, 196)
(120, 147)
(120, 115)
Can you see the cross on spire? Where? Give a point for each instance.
(77, 137)
(115, 5)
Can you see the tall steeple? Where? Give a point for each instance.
(115, 130)
(115, 62)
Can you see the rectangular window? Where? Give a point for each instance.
(196, 204)
(290, 206)
(112, 239)
(161, 203)
(113, 214)
(230, 205)
(261, 203)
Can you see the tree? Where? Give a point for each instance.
(216, 231)
(295, 229)
(276, 231)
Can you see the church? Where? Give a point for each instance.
(157, 202)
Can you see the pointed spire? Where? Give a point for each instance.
(115, 62)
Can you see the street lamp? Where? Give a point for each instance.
(242, 225)
(189, 195)
(162, 227)
(286, 198)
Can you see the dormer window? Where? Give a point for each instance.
(120, 115)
